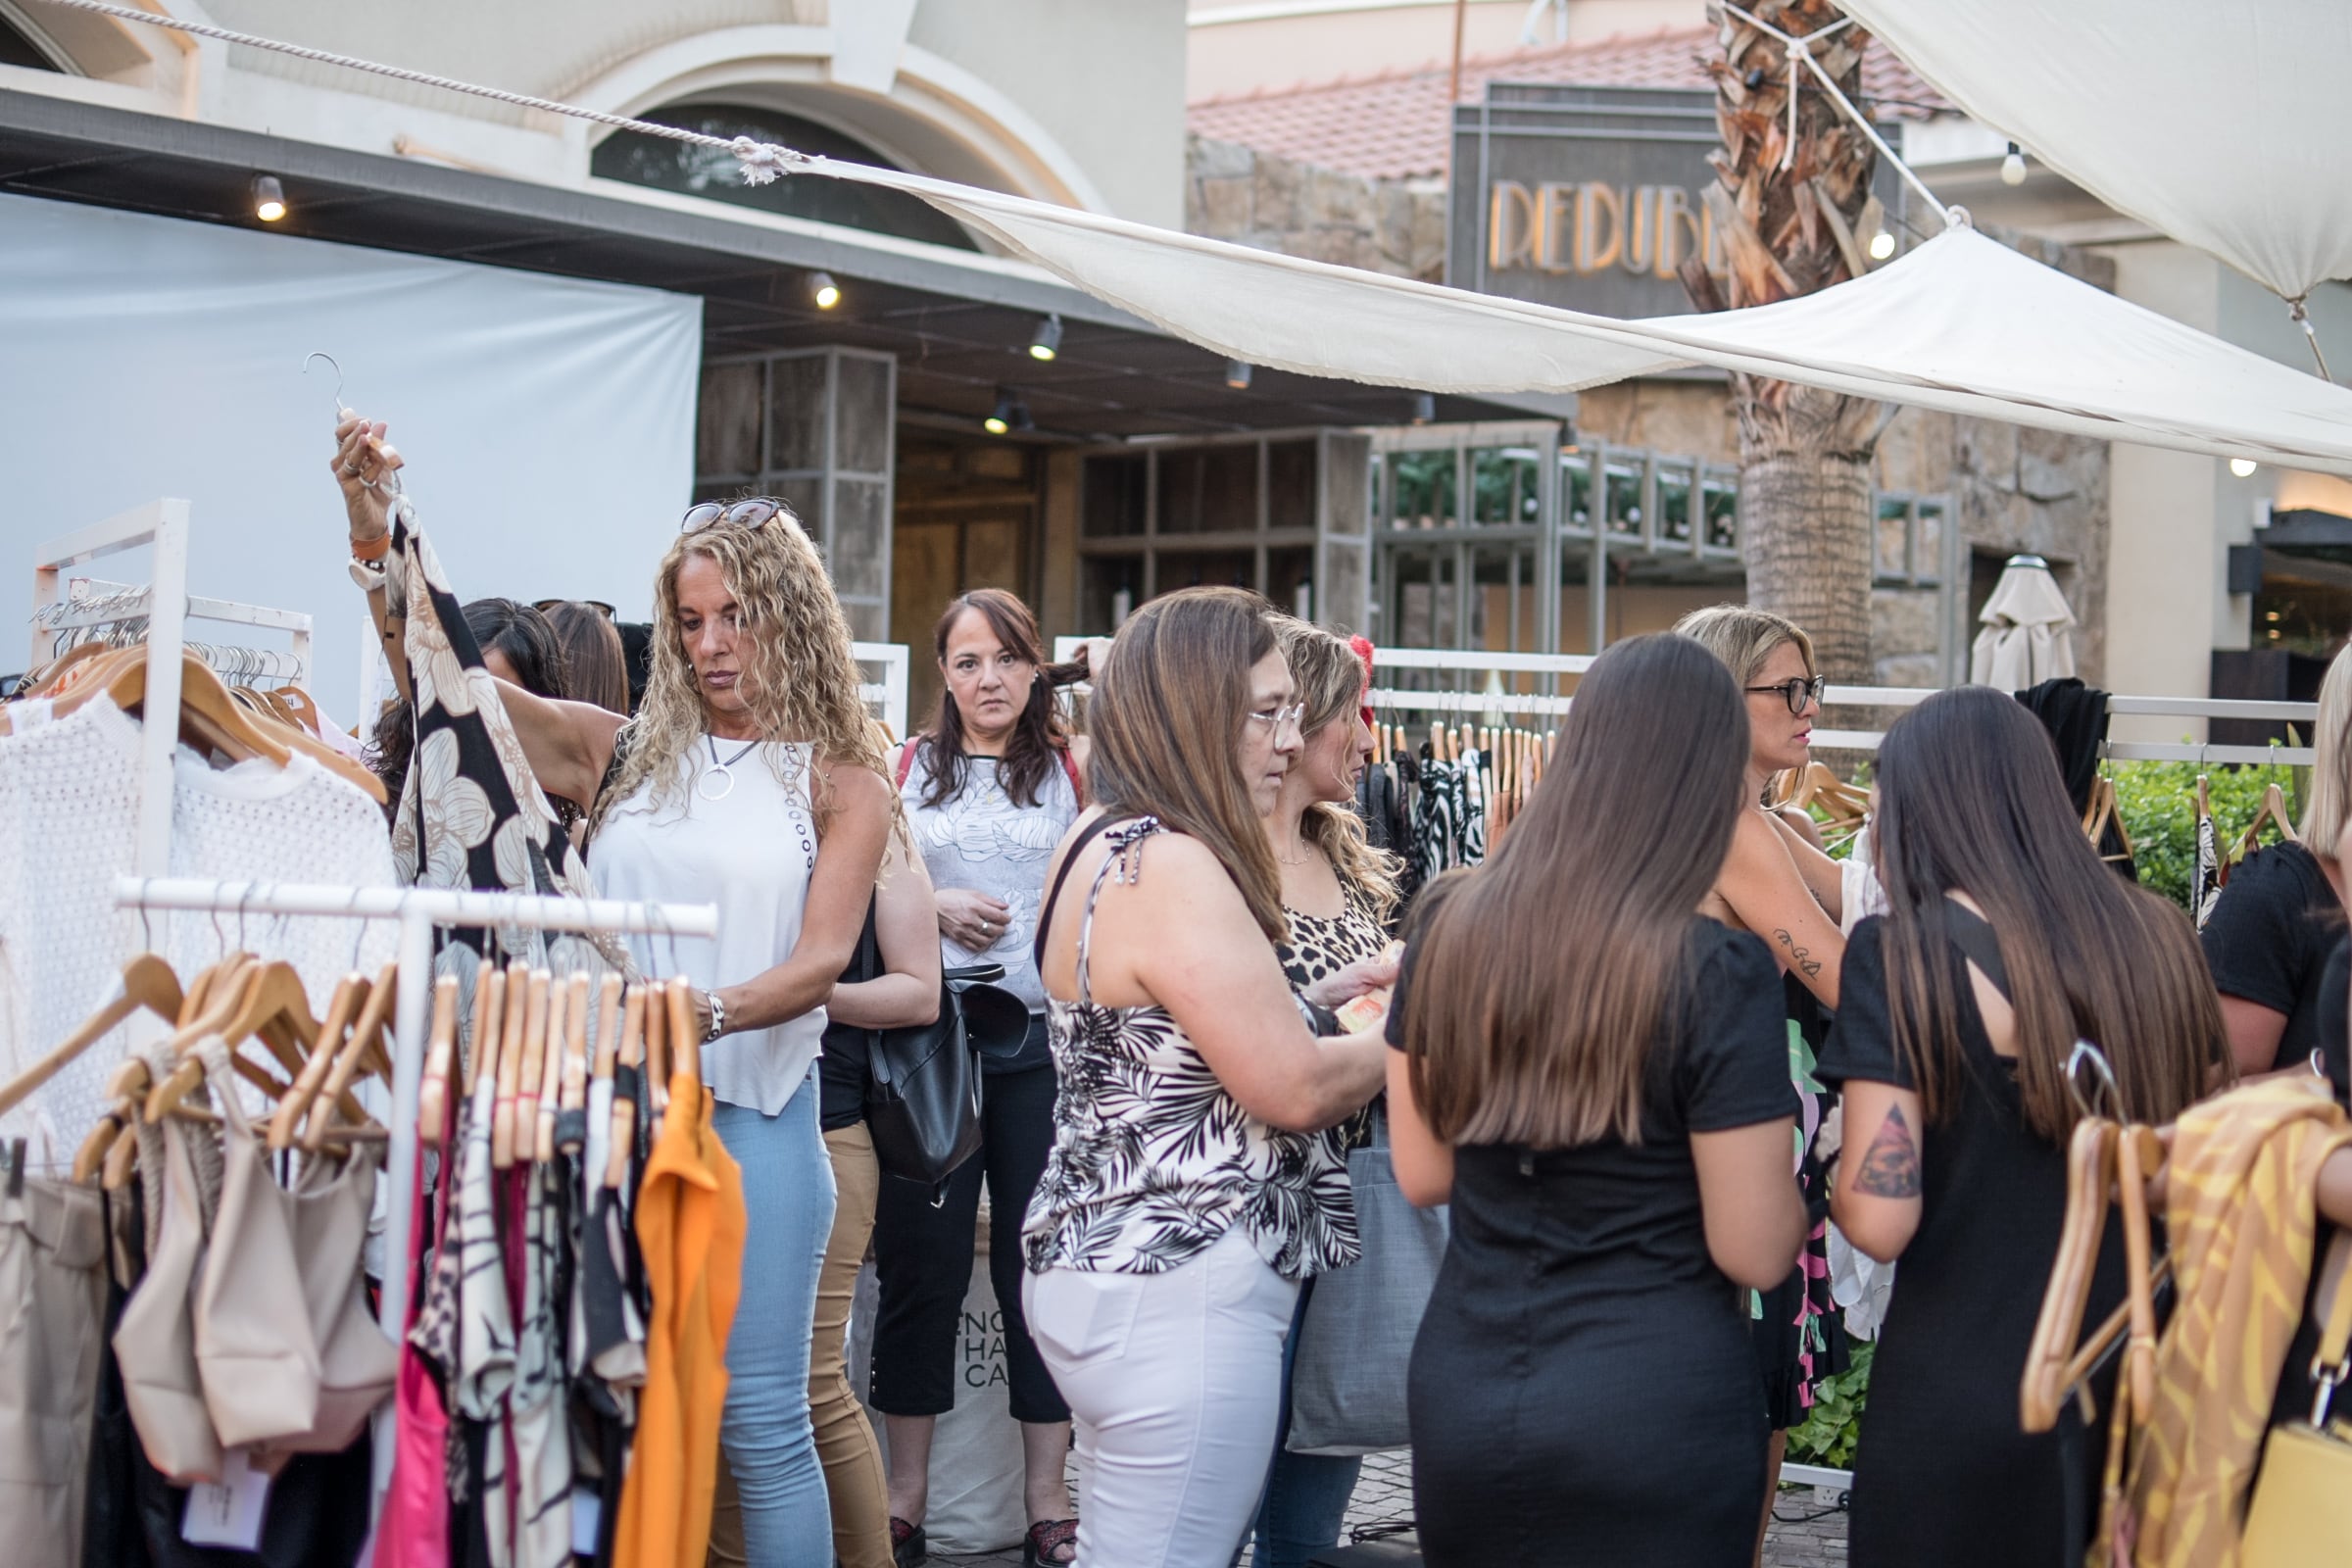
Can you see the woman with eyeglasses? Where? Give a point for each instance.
(989, 790)
(1776, 883)
(751, 778)
(1189, 1189)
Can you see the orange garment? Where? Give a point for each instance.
(690, 1226)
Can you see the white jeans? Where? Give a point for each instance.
(1174, 1382)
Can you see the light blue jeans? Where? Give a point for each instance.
(788, 1202)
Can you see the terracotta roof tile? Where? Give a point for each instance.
(1394, 125)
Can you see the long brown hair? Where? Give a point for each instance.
(1543, 978)
(1034, 750)
(1970, 801)
(599, 664)
(1165, 725)
(1330, 680)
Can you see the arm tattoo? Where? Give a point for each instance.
(1891, 1167)
(1798, 957)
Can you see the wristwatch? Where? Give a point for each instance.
(718, 1016)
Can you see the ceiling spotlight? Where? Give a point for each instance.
(2243, 467)
(1424, 407)
(268, 198)
(1048, 341)
(824, 291)
(2012, 167)
(1882, 245)
(1009, 414)
(1237, 374)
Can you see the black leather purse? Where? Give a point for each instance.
(922, 1086)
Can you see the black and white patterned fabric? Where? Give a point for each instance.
(1152, 1161)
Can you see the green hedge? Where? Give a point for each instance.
(2155, 800)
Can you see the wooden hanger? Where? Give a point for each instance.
(608, 1029)
(657, 1055)
(572, 1091)
(510, 1065)
(209, 715)
(365, 1049)
(551, 1067)
(534, 1064)
(489, 1020)
(2272, 810)
(685, 1039)
(351, 993)
(2090, 1177)
(147, 982)
(630, 1053)
(432, 1091)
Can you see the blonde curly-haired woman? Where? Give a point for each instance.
(751, 778)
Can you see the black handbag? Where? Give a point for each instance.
(922, 1086)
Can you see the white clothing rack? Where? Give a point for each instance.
(164, 524)
(889, 694)
(418, 910)
(2306, 715)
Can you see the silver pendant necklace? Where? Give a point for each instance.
(722, 772)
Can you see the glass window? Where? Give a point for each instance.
(17, 48)
(1111, 505)
(1291, 484)
(1209, 489)
(1289, 581)
(1206, 569)
(715, 173)
(1503, 482)
(1625, 496)
(1421, 489)
(1929, 550)
(1576, 494)
(1675, 484)
(1109, 588)
(1893, 536)
(1719, 496)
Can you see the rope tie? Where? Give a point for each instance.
(2301, 316)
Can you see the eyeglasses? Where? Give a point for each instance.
(546, 607)
(1274, 718)
(753, 512)
(1797, 692)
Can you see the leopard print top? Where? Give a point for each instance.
(1322, 945)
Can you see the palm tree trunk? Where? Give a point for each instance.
(1789, 222)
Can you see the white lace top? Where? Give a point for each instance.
(68, 826)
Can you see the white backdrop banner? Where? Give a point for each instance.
(548, 422)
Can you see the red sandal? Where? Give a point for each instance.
(908, 1546)
(1048, 1537)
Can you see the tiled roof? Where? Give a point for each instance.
(1394, 125)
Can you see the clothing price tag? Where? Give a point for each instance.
(587, 1513)
(227, 1512)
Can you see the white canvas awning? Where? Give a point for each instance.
(2225, 123)
(1962, 323)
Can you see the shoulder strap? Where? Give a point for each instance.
(907, 761)
(1045, 912)
(1069, 766)
(1973, 935)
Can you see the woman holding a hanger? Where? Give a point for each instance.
(1339, 895)
(753, 778)
(2006, 941)
(2283, 910)
(1776, 883)
(1189, 1189)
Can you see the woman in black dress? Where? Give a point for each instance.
(2006, 941)
(2269, 933)
(1597, 1076)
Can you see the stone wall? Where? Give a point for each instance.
(1256, 198)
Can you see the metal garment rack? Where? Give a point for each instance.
(164, 524)
(418, 910)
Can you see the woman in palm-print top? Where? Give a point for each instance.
(1188, 1189)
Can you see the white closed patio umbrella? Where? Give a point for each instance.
(2027, 636)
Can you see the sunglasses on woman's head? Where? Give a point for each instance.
(1797, 692)
(753, 512)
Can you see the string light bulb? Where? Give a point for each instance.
(824, 291)
(268, 198)
(1882, 245)
(1011, 413)
(1237, 374)
(1424, 407)
(2243, 467)
(2012, 167)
